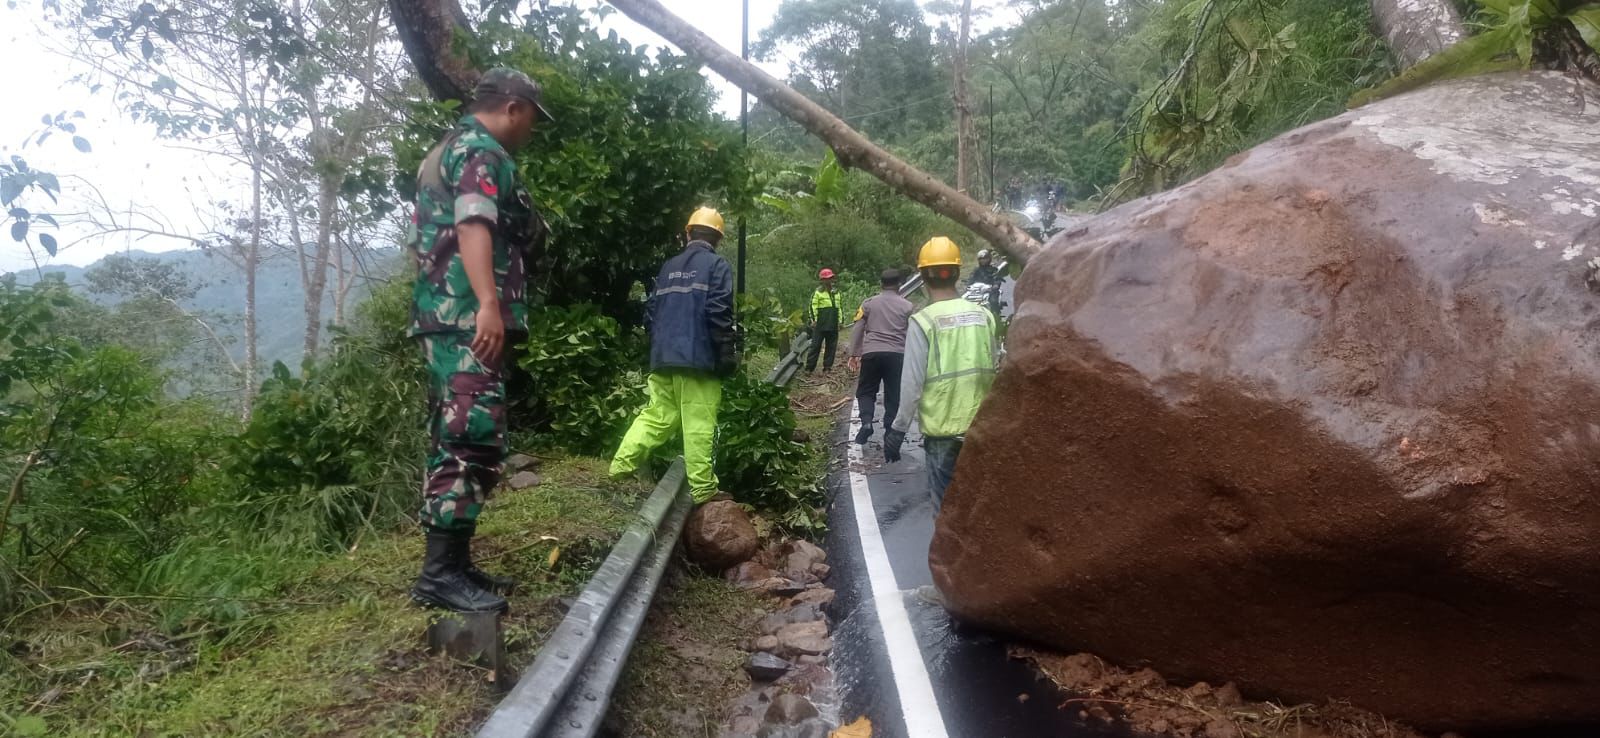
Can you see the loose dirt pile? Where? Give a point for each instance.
(1144, 701)
(1324, 422)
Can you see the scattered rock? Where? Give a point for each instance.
(744, 725)
(805, 638)
(518, 462)
(789, 709)
(720, 535)
(749, 575)
(771, 623)
(1220, 728)
(821, 597)
(1228, 695)
(820, 570)
(524, 480)
(810, 728)
(808, 659)
(804, 678)
(764, 667)
(811, 551)
(800, 436)
(802, 613)
(797, 565)
(781, 587)
(767, 643)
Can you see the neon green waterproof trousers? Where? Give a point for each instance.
(678, 400)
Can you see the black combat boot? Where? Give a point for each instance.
(484, 580)
(863, 435)
(444, 583)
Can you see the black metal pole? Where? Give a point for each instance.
(744, 125)
(993, 195)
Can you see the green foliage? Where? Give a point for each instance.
(585, 372)
(634, 150)
(758, 458)
(104, 469)
(847, 221)
(1243, 71)
(872, 63)
(327, 453)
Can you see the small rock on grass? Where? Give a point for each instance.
(521, 461)
(524, 480)
(767, 643)
(764, 667)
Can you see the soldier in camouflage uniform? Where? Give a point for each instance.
(474, 233)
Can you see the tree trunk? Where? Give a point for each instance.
(427, 29)
(851, 148)
(1418, 29)
(963, 102)
(251, 259)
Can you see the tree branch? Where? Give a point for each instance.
(428, 31)
(851, 148)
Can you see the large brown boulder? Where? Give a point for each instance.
(720, 535)
(1325, 422)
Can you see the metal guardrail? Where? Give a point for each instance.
(789, 365)
(566, 691)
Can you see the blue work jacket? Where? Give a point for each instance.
(690, 313)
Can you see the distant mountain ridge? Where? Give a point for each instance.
(280, 299)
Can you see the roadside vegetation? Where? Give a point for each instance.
(192, 544)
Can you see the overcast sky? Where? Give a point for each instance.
(133, 170)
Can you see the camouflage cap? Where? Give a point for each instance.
(512, 83)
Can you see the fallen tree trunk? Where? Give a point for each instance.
(1418, 29)
(852, 148)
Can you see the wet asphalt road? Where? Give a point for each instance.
(979, 691)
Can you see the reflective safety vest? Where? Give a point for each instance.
(825, 310)
(960, 365)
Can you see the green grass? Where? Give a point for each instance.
(338, 652)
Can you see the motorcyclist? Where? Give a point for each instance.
(989, 274)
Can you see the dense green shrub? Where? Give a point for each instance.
(757, 457)
(340, 446)
(105, 471)
(585, 375)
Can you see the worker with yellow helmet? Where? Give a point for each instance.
(693, 345)
(949, 367)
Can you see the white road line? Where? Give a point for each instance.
(917, 703)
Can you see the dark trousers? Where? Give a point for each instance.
(877, 368)
(941, 454)
(818, 340)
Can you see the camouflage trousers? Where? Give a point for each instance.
(467, 424)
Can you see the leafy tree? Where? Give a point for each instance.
(871, 63)
(1242, 71)
(634, 149)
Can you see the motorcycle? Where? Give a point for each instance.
(987, 295)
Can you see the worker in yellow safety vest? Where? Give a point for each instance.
(949, 367)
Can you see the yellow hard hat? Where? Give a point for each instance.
(707, 217)
(939, 251)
